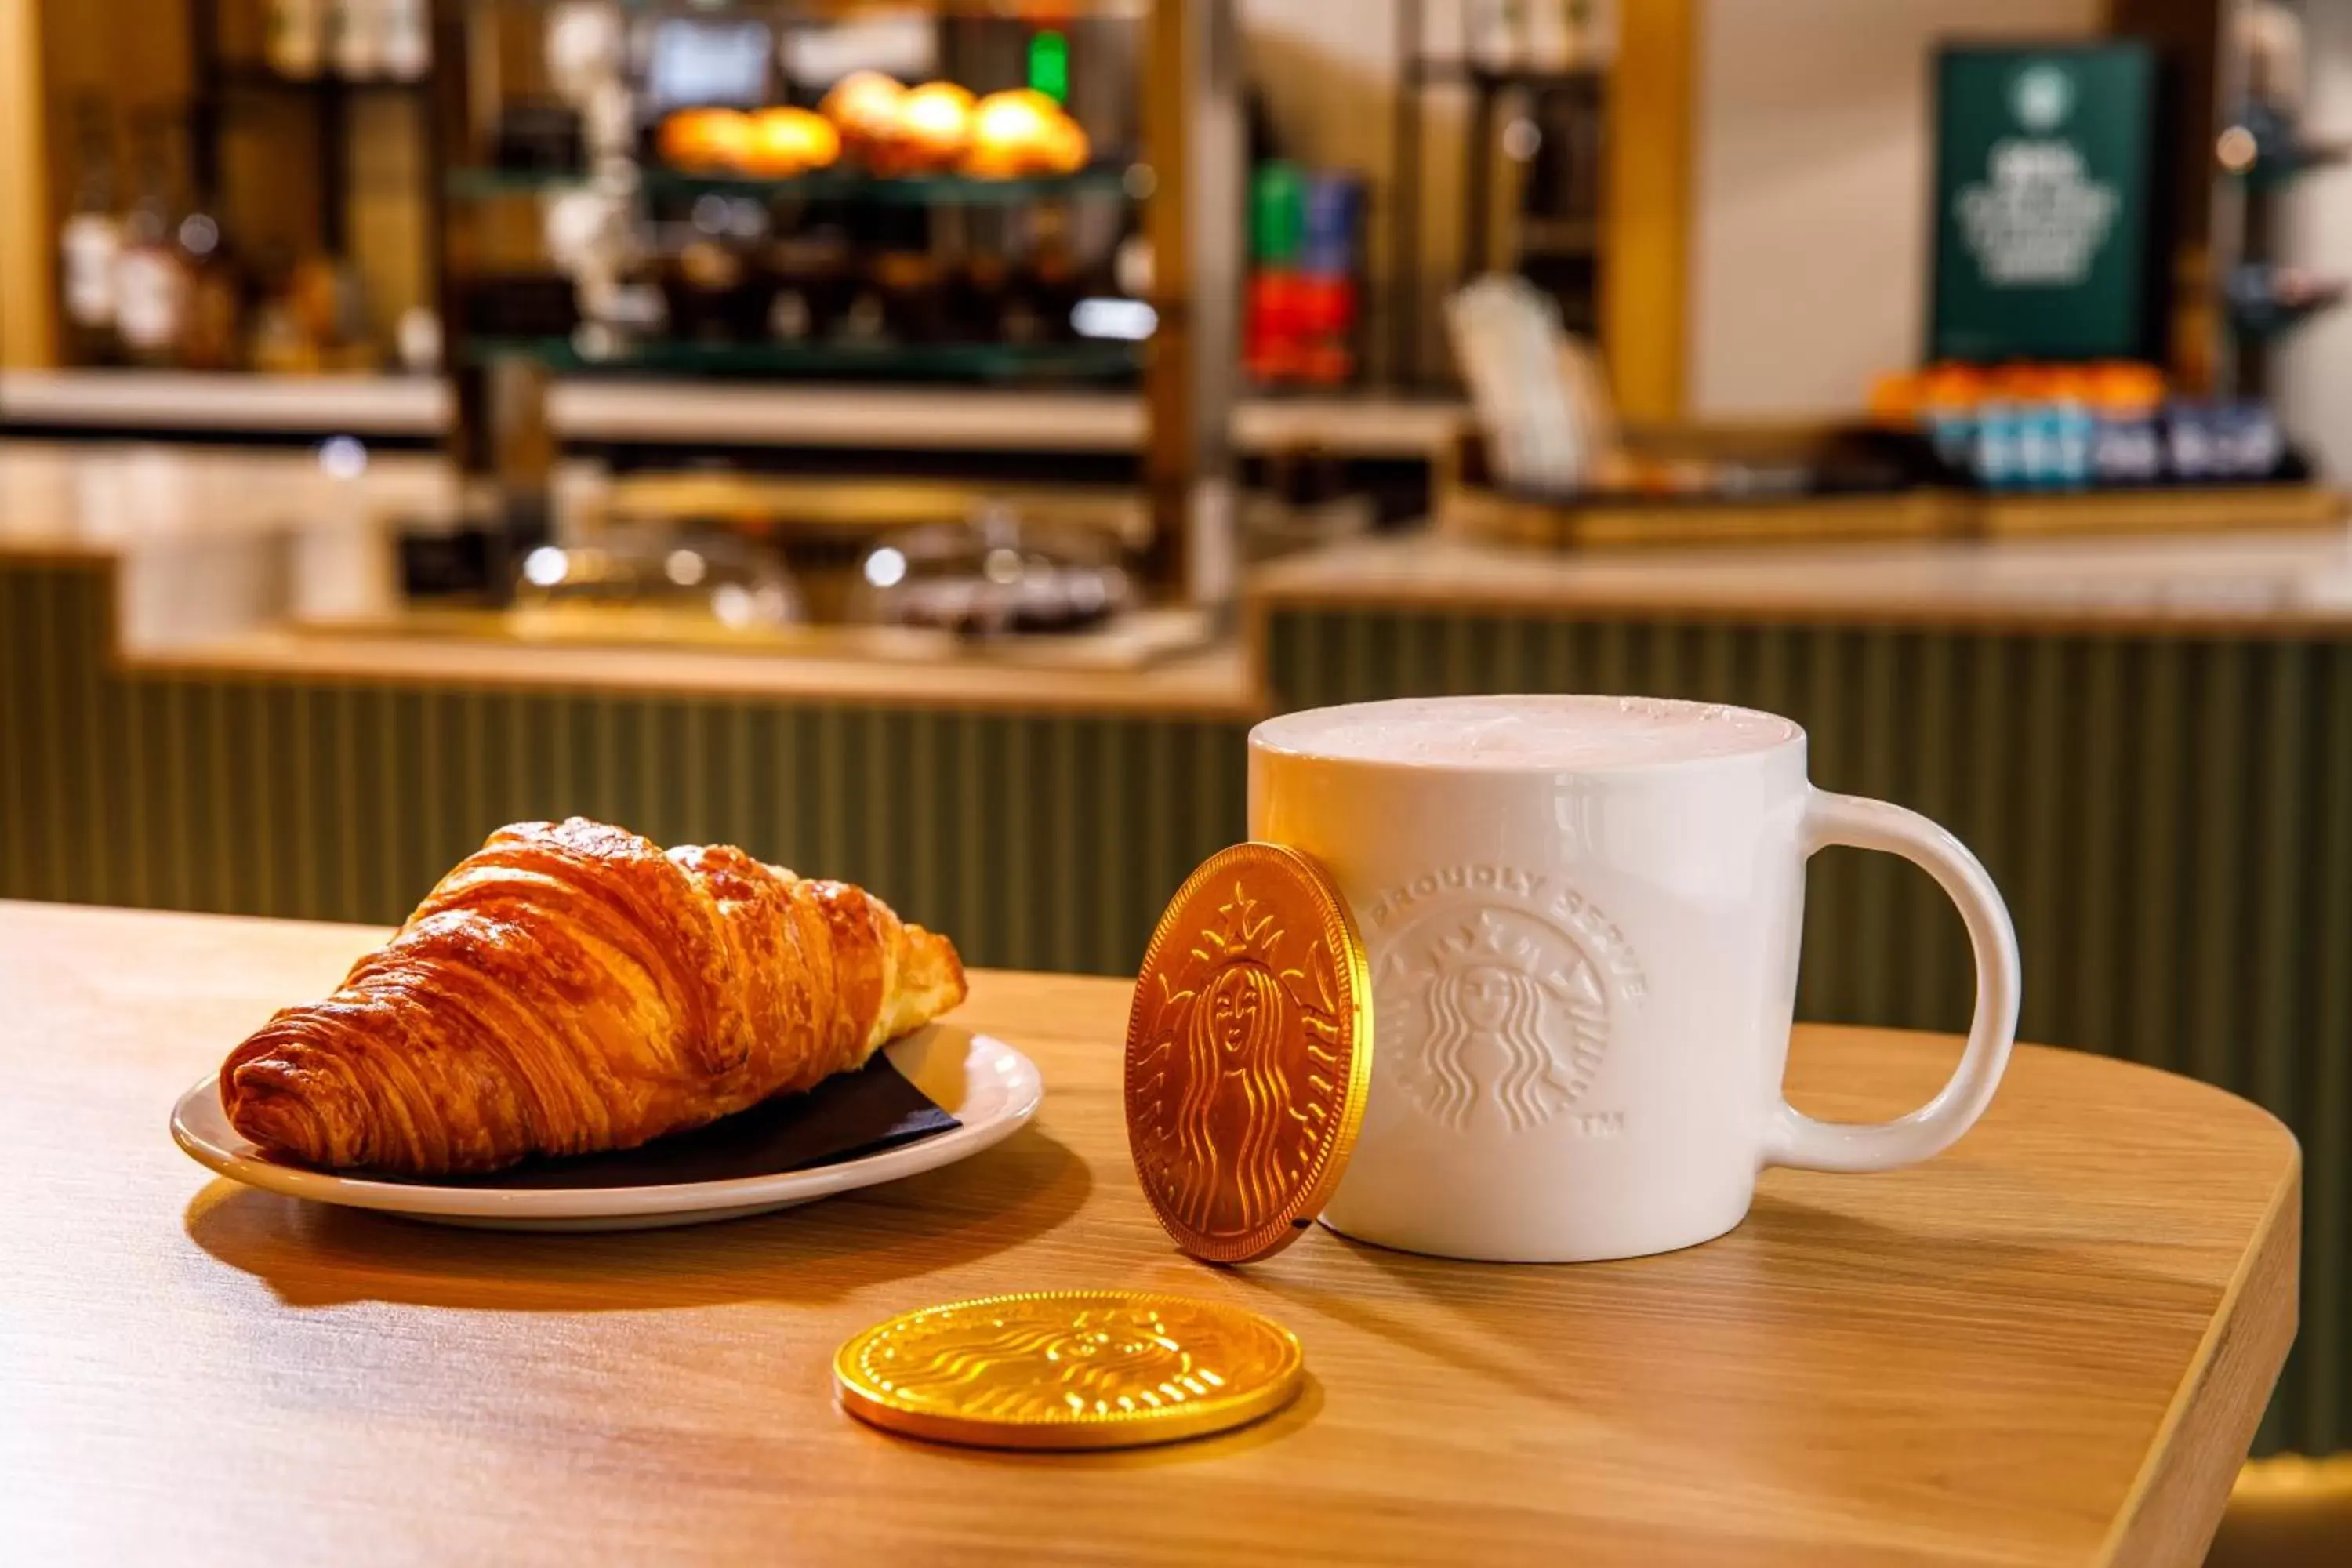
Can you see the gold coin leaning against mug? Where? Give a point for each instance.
(1069, 1369)
(1249, 1050)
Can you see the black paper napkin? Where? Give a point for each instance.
(846, 1117)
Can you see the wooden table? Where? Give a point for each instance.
(2049, 1346)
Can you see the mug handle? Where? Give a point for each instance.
(1795, 1138)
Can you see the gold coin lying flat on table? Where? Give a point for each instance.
(1249, 1050)
(1068, 1369)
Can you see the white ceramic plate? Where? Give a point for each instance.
(985, 1084)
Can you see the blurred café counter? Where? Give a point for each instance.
(2229, 580)
(211, 672)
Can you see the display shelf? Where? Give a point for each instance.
(963, 362)
(253, 76)
(681, 410)
(1102, 182)
(2273, 172)
(369, 404)
(2266, 147)
(794, 10)
(1436, 69)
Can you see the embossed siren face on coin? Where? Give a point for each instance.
(1090, 1369)
(1501, 1015)
(1246, 1054)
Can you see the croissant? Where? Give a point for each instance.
(569, 987)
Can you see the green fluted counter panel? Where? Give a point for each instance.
(2170, 820)
(1039, 843)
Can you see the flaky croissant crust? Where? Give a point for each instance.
(569, 987)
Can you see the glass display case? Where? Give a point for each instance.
(1024, 210)
(1014, 194)
(801, 189)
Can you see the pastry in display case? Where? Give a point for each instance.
(934, 127)
(1022, 133)
(706, 141)
(887, 130)
(787, 142)
(780, 203)
(776, 143)
(864, 107)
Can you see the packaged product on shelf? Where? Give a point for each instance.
(294, 42)
(151, 274)
(406, 38)
(89, 243)
(356, 36)
(2127, 446)
(1332, 215)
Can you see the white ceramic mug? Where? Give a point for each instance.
(1582, 916)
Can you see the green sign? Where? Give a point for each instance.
(2042, 189)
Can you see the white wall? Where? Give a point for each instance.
(1328, 71)
(2313, 370)
(1809, 258)
(1809, 264)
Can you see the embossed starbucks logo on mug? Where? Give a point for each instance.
(1512, 1012)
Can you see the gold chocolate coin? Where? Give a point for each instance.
(1068, 1369)
(1249, 1048)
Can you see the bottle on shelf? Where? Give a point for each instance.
(2264, 145)
(274, 344)
(357, 30)
(903, 296)
(1495, 33)
(2267, 299)
(406, 38)
(910, 287)
(211, 334)
(1551, 33)
(1273, 315)
(1597, 31)
(152, 275)
(416, 340)
(976, 291)
(812, 266)
(1332, 220)
(2269, 40)
(89, 243)
(310, 316)
(712, 290)
(1049, 280)
(330, 312)
(294, 41)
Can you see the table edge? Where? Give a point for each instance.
(2177, 1495)
(2166, 1516)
